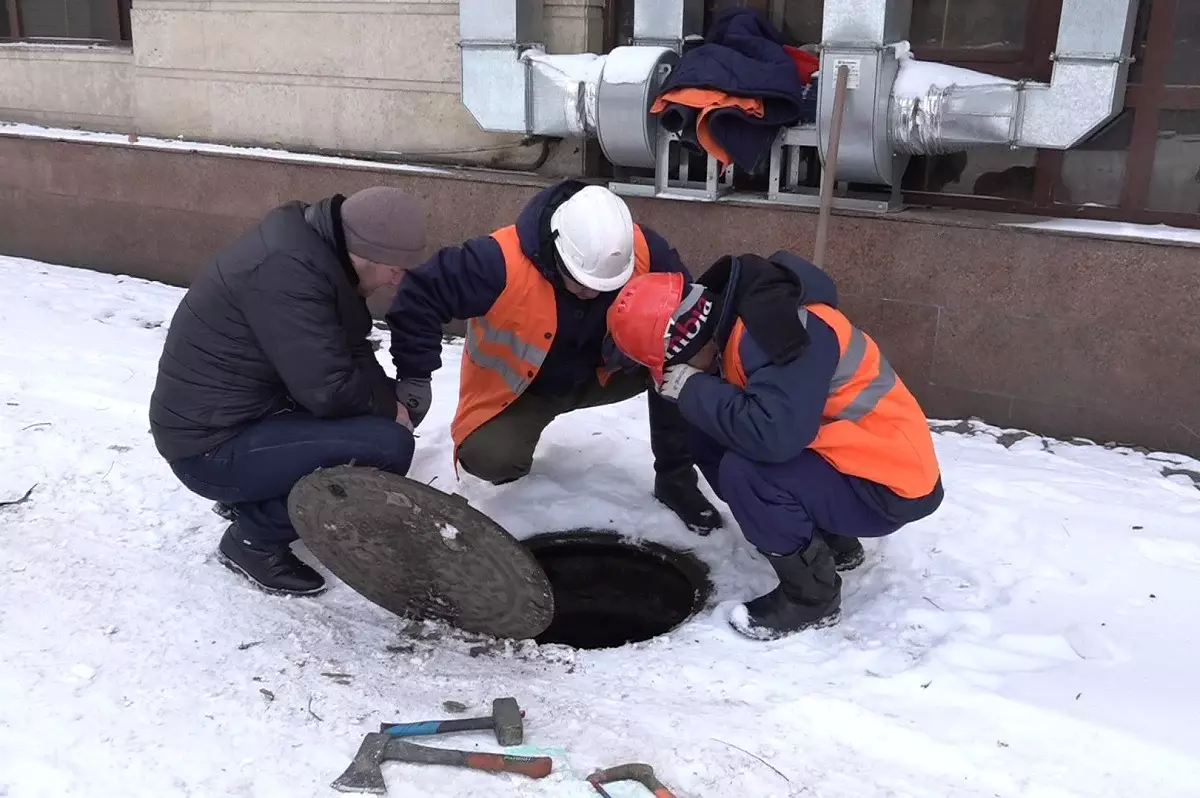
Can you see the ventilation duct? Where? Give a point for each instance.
(856, 33)
(511, 85)
(909, 107)
(666, 23)
(947, 111)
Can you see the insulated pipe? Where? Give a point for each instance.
(939, 109)
(898, 105)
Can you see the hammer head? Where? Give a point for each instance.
(364, 773)
(507, 721)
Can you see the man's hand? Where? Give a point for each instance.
(416, 394)
(674, 379)
(402, 416)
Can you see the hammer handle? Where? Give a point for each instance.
(640, 773)
(426, 727)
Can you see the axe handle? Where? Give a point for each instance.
(535, 767)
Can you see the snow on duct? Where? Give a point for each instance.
(909, 107)
(511, 85)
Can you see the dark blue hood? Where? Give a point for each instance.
(533, 226)
(819, 287)
(765, 294)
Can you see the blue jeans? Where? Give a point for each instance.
(780, 505)
(254, 472)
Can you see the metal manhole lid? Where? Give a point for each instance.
(421, 553)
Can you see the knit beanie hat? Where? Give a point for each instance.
(384, 225)
(692, 324)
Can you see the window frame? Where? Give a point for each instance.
(119, 8)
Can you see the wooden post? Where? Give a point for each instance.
(829, 173)
(14, 19)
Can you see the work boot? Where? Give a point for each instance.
(809, 595)
(681, 493)
(274, 569)
(848, 552)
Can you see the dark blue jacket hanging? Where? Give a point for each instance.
(743, 56)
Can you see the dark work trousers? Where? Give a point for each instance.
(780, 505)
(255, 471)
(502, 449)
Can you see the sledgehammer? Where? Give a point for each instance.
(366, 775)
(505, 721)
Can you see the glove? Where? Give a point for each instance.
(615, 360)
(416, 394)
(674, 379)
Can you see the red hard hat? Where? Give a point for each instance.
(638, 318)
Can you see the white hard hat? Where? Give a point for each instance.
(595, 238)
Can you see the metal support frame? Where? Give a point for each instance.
(680, 185)
(783, 186)
(787, 154)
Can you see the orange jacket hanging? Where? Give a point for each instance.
(706, 101)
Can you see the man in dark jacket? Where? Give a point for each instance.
(535, 295)
(267, 373)
(799, 422)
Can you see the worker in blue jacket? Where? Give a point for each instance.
(799, 422)
(535, 296)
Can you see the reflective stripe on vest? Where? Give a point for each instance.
(507, 346)
(849, 362)
(521, 350)
(871, 426)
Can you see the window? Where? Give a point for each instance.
(1175, 177)
(100, 21)
(970, 24)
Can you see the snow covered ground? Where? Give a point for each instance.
(1037, 637)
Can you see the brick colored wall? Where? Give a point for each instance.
(1059, 335)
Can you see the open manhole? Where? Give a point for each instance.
(609, 591)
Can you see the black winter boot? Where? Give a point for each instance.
(848, 552)
(681, 493)
(809, 595)
(274, 570)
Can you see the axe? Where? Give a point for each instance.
(366, 775)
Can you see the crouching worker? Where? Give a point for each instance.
(267, 373)
(535, 295)
(798, 421)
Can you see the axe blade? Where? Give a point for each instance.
(364, 773)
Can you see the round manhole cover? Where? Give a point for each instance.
(419, 552)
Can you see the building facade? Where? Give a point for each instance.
(989, 309)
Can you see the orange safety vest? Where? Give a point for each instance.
(871, 425)
(506, 346)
